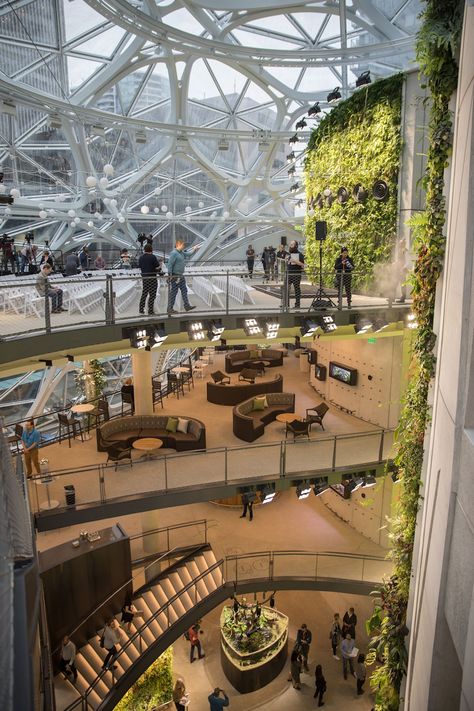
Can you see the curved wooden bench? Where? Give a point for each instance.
(235, 393)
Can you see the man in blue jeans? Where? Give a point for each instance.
(176, 265)
(215, 701)
(44, 288)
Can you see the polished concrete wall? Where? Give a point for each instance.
(441, 620)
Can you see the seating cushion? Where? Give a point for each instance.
(182, 425)
(131, 427)
(172, 424)
(259, 403)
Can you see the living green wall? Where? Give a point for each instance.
(357, 142)
(154, 687)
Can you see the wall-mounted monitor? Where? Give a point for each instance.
(346, 375)
(312, 357)
(320, 372)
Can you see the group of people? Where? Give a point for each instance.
(341, 633)
(273, 262)
(218, 699)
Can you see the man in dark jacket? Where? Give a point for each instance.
(303, 642)
(150, 267)
(343, 268)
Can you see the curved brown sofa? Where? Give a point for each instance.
(233, 394)
(120, 430)
(235, 361)
(249, 424)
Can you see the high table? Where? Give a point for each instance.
(147, 445)
(50, 503)
(84, 408)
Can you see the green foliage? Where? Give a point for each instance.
(358, 142)
(91, 380)
(153, 688)
(437, 45)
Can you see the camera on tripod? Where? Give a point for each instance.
(29, 237)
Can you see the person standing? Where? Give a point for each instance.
(247, 503)
(149, 267)
(295, 669)
(44, 288)
(129, 389)
(360, 674)
(295, 269)
(68, 655)
(99, 262)
(335, 634)
(320, 685)
(31, 439)
(281, 257)
(71, 264)
(46, 258)
(180, 697)
(176, 266)
(111, 638)
(250, 254)
(215, 701)
(84, 259)
(271, 260)
(344, 267)
(193, 636)
(347, 646)
(349, 622)
(303, 642)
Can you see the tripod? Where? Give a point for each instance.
(321, 300)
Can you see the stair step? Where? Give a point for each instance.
(184, 574)
(202, 590)
(217, 572)
(90, 673)
(122, 661)
(176, 609)
(146, 634)
(148, 601)
(184, 596)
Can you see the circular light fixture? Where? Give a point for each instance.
(188, 208)
(91, 181)
(76, 220)
(188, 218)
(169, 214)
(157, 191)
(214, 215)
(71, 213)
(342, 195)
(113, 202)
(164, 208)
(103, 183)
(144, 209)
(43, 214)
(200, 204)
(121, 219)
(156, 210)
(15, 193)
(226, 215)
(380, 191)
(108, 169)
(90, 224)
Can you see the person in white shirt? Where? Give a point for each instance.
(347, 647)
(111, 637)
(68, 655)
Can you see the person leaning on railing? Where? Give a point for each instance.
(31, 440)
(44, 288)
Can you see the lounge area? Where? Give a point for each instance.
(263, 357)
(179, 433)
(237, 391)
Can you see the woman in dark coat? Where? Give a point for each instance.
(320, 685)
(343, 268)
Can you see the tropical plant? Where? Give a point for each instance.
(91, 379)
(153, 688)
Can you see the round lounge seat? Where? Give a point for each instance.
(121, 431)
(235, 361)
(236, 392)
(249, 424)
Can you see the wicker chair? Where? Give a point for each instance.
(315, 415)
(248, 374)
(220, 378)
(298, 428)
(116, 454)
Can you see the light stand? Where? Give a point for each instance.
(321, 300)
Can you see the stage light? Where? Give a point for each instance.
(196, 331)
(252, 327)
(70, 358)
(348, 485)
(271, 329)
(358, 483)
(303, 490)
(308, 328)
(294, 188)
(48, 363)
(369, 481)
(293, 139)
(320, 485)
(362, 325)
(334, 96)
(159, 336)
(139, 338)
(215, 330)
(315, 109)
(291, 157)
(327, 324)
(380, 324)
(363, 79)
(301, 124)
(267, 494)
(291, 170)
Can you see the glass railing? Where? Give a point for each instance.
(227, 466)
(113, 297)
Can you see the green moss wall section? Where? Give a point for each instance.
(153, 688)
(358, 142)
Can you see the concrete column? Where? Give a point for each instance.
(142, 372)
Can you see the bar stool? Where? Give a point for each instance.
(175, 384)
(70, 425)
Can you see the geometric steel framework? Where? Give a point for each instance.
(192, 104)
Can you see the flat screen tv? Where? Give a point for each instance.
(320, 371)
(343, 373)
(312, 357)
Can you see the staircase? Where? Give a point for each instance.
(162, 604)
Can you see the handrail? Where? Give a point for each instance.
(173, 527)
(222, 564)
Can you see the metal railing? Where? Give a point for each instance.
(295, 565)
(108, 298)
(167, 473)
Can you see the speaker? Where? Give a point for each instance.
(380, 191)
(321, 230)
(283, 240)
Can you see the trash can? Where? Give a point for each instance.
(70, 494)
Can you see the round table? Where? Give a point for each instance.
(258, 364)
(83, 408)
(50, 503)
(147, 445)
(285, 417)
(180, 369)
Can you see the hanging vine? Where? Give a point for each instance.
(437, 46)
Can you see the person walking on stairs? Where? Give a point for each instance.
(68, 656)
(110, 638)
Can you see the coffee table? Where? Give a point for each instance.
(285, 417)
(147, 445)
(258, 365)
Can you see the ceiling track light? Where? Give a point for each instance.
(363, 79)
(314, 110)
(320, 485)
(308, 328)
(303, 490)
(271, 329)
(291, 170)
(291, 157)
(334, 95)
(362, 325)
(252, 327)
(301, 124)
(215, 330)
(294, 188)
(294, 139)
(327, 324)
(197, 331)
(267, 493)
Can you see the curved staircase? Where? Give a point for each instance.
(171, 600)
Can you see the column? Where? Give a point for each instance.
(142, 372)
